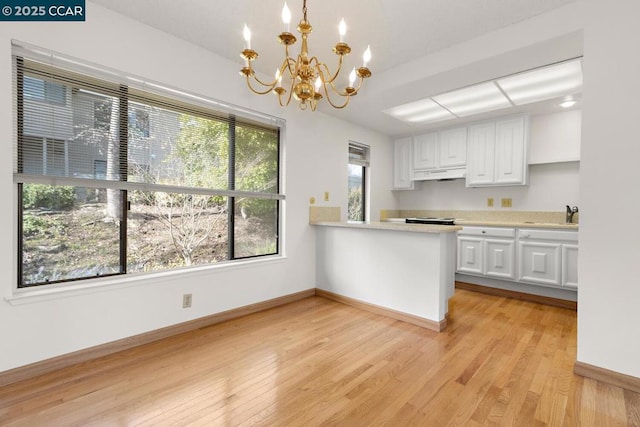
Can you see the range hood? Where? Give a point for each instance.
(439, 174)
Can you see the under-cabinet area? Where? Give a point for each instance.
(533, 256)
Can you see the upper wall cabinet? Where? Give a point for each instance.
(555, 137)
(402, 164)
(453, 148)
(497, 152)
(436, 154)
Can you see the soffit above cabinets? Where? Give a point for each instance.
(561, 81)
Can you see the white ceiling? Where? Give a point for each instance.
(398, 31)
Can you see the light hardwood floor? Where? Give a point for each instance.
(317, 362)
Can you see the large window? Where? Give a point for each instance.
(119, 180)
(358, 163)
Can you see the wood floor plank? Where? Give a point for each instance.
(318, 362)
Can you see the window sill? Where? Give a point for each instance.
(90, 286)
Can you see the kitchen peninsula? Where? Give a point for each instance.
(404, 271)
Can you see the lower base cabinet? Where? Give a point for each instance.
(540, 263)
(500, 259)
(487, 251)
(547, 257)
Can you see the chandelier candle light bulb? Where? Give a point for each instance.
(342, 30)
(352, 77)
(366, 57)
(304, 77)
(246, 33)
(286, 17)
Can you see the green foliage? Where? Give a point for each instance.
(203, 152)
(32, 225)
(47, 196)
(355, 207)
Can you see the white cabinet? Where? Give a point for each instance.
(536, 256)
(548, 257)
(435, 154)
(424, 151)
(500, 258)
(570, 266)
(498, 152)
(540, 262)
(481, 154)
(402, 164)
(452, 148)
(470, 255)
(487, 251)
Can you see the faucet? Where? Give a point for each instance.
(571, 211)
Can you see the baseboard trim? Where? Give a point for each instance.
(611, 377)
(556, 302)
(394, 314)
(80, 356)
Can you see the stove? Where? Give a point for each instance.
(438, 221)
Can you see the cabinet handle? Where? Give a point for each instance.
(483, 231)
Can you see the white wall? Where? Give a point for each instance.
(609, 295)
(551, 187)
(316, 161)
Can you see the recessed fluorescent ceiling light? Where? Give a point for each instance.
(424, 110)
(474, 99)
(543, 83)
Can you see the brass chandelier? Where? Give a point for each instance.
(306, 77)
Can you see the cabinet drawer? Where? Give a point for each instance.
(553, 235)
(488, 232)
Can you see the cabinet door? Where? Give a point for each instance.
(402, 164)
(481, 154)
(452, 148)
(540, 262)
(510, 151)
(425, 151)
(500, 257)
(469, 255)
(570, 266)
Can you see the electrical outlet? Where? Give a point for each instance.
(490, 202)
(326, 196)
(506, 202)
(312, 200)
(186, 300)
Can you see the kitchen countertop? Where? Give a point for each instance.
(488, 223)
(394, 226)
(516, 224)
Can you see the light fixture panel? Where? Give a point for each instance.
(422, 111)
(475, 99)
(543, 83)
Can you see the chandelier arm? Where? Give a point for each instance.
(336, 106)
(258, 92)
(360, 81)
(290, 92)
(287, 65)
(335, 76)
(288, 60)
(269, 85)
(339, 92)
